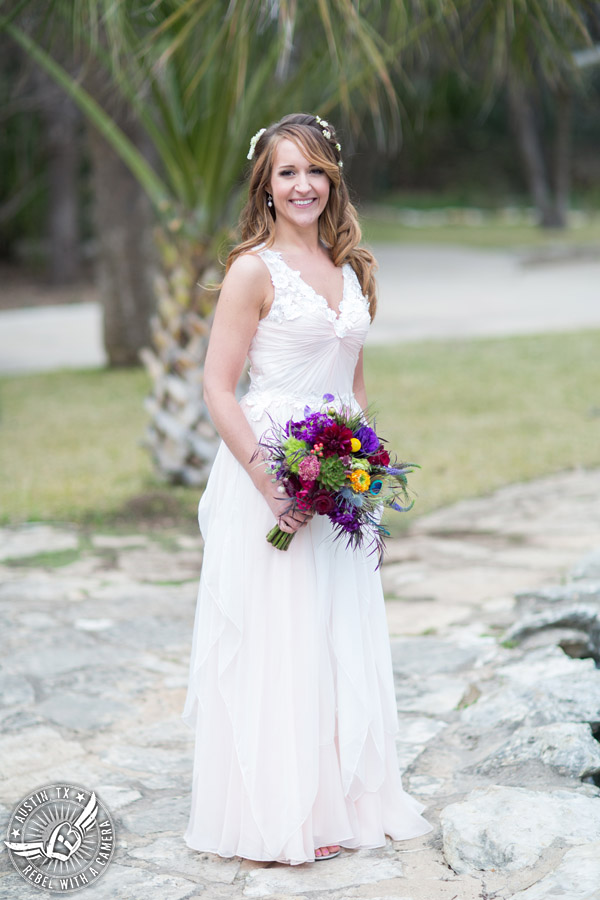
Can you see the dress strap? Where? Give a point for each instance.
(273, 262)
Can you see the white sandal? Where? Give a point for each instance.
(328, 856)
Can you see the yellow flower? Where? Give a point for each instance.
(355, 444)
(360, 480)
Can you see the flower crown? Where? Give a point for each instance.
(324, 128)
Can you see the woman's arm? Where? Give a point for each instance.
(358, 386)
(245, 291)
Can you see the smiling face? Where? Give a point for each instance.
(300, 189)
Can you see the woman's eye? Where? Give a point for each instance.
(314, 171)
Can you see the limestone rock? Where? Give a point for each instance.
(569, 746)
(79, 712)
(583, 618)
(435, 695)
(588, 568)
(576, 878)
(125, 883)
(547, 686)
(442, 655)
(351, 868)
(32, 539)
(172, 854)
(116, 797)
(508, 829)
(35, 749)
(158, 815)
(573, 592)
(158, 565)
(15, 690)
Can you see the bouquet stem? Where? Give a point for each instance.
(280, 539)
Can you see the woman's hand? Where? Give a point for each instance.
(280, 504)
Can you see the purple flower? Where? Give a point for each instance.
(309, 428)
(328, 398)
(369, 442)
(345, 519)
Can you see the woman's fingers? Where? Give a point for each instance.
(291, 519)
(291, 523)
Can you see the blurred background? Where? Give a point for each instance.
(470, 135)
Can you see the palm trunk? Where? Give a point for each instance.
(126, 261)
(125, 258)
(180, 435)
(530, 148)
(562, 157)
(61, 123)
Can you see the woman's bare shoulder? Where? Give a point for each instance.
(247, 278)
(249, 265)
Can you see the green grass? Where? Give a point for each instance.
(474, 414)
(70, 450)
(484, 413)
(53, 559)
(378, 227)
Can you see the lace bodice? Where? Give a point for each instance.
(302, 348)
(293, 296)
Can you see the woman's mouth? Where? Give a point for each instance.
(303, 203)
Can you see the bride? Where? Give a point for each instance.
(291, 690)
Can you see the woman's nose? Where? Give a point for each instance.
(302, 184)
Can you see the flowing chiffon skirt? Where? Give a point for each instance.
(291, 690)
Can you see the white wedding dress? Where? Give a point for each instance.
(291, 690)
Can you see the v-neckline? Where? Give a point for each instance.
(315, 293)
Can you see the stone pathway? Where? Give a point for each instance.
(495, 734)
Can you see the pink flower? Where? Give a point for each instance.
(309, 468)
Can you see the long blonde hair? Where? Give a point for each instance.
(339, 230)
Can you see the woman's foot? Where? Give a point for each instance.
(327, 851)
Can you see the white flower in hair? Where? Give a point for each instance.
(327, 134)
(254, 142)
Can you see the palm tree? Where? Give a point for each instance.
(528, 48)
(200, 78)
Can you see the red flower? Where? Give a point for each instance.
(323, 503)
(336, 440)
(303, 500)
(381, 458)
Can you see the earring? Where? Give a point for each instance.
(269, 200)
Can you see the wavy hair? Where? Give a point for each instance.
(339, 230)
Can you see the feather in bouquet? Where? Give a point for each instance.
(333, 463)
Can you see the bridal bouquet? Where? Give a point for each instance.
(333, 463)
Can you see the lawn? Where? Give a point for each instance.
(381, 224)
(474, 414)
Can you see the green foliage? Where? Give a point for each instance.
(333, 474)
(202, 77)
(295, 451)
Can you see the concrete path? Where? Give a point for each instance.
(96, 636)
(425, 292)
(448, 292)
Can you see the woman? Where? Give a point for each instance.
(291, 685)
